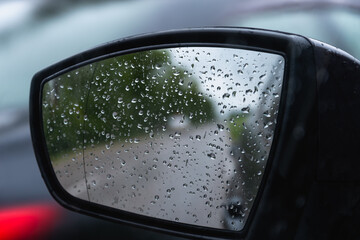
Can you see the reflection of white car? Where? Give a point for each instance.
(178, 121)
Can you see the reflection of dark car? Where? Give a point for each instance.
(21, 181)
(250, 151)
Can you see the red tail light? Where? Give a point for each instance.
(28, 222)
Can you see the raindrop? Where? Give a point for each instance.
(220, 127)
(246, 109)
(123, 162)
(267, 114)
(212, 156)
(226, 95)
(262, 77)
(248, 91)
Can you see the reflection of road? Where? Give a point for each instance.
(179, 175)
(69, 170)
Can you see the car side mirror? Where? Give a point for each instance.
(200, 133)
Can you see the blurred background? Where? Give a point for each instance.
(37, 33)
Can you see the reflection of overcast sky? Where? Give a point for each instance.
(233, 78)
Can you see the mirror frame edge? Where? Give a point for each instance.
(252, 39)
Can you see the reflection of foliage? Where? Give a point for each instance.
(140, 92)
(63, 110)
(248, 155)
(120, 98)
(246, 151)
(236, 125)
(252, 146)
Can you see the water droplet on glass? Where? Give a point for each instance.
(220, 127)
(212, 156)
(245, 109)
(123, 162)
(226, 95)
(267, 114)
(262, 77)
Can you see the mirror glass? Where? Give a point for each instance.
(181, 134)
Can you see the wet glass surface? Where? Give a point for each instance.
(181, 134)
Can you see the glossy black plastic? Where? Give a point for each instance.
(332, 210)
(292, 167)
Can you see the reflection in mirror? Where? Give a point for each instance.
(181, 134)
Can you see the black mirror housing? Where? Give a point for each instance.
(311, 180)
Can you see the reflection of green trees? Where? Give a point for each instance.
(236, 125)
(120, 98)
(251, 146)
(63, 110)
